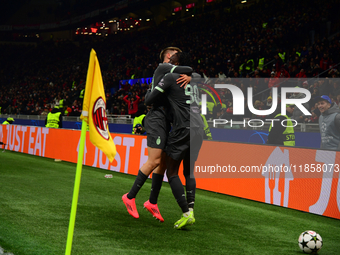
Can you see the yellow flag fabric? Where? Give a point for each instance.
(94, 109)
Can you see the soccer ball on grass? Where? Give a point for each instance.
(310, 242)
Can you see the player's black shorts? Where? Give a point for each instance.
(183, 141)
(157, 128)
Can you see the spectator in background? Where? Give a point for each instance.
(138, 130)
(301, 74)
(207, 133)
(304, 52)
(324, 87)
(217, 111)
(76, 111)
(304, 64)
(305, 85)
(269, 103)
(132, 104)
(293, 70)
(8, 121)
(278, 63)
(123, 111)
(312, 119)
(37, 111)
(329, 123)
(66, 110)
(335, 88)
(273, 81)
(9, 109)
(138, 121)
(315, 93)
(258, 105)
(279, 134)
(324, 62)
(316, 71)
(282, 73)
(114, 110)
(337, 100)
(54, 118)
(227, 113)
(44, 112)
(221, 75)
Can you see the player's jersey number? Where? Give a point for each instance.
(192, 91)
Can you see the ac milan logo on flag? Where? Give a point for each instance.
(99, 117)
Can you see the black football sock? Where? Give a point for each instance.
(190, 189)
(139, 182)
(157, 181)
(178, 192)
(190, 181)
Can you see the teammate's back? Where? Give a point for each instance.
(184, 102)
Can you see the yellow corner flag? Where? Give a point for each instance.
(94, 116)
(94, 107)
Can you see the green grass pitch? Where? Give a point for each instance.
(35, 203)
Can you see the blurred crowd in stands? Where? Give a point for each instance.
(264, 45)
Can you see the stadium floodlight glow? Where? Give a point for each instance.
(177, 9)
(188, 6)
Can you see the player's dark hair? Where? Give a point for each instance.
(166, 50)
(184, 59)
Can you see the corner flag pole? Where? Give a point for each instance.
(94, 99)
(76, 188)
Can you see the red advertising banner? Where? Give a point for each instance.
(302, 179)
